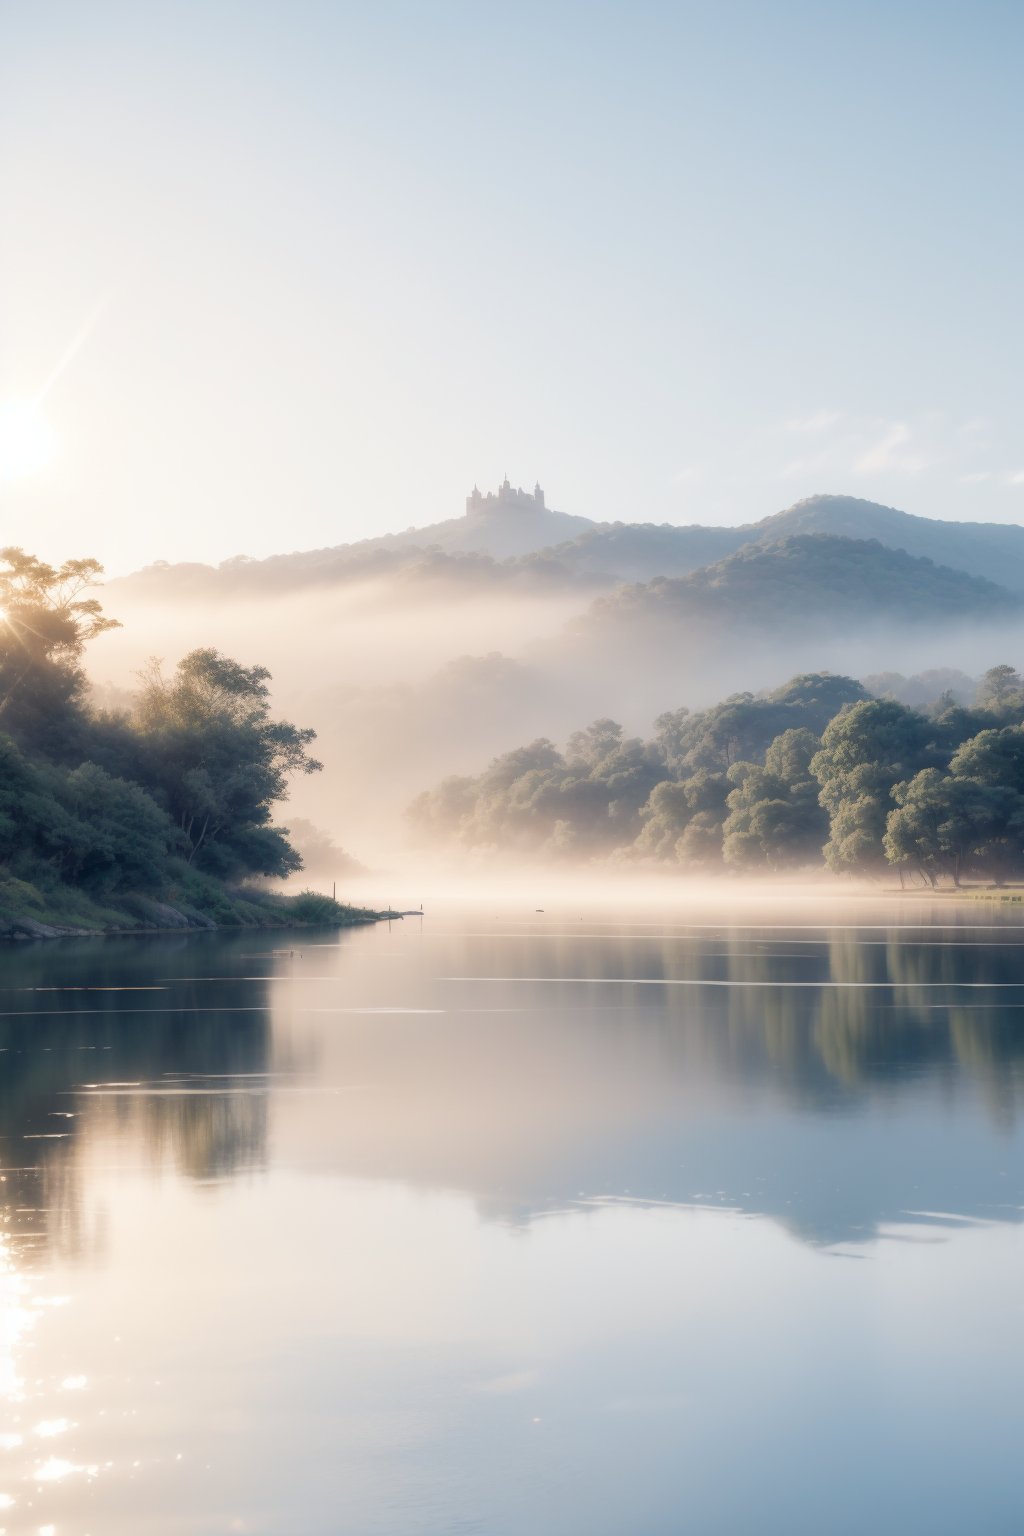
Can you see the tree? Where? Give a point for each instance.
(219, 763)
(117, 837)
(865, 750)
(84, 827)
(45, 623)
(1001, 688)
(742, 727)
(993, 761)
(590, 747)
(991, 757)
(674, 808)
(944, 824)
(774, 815)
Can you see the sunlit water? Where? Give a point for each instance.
(508, 1222)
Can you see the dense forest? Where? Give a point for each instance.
(779, 588)
(154, 816)
(817, 769)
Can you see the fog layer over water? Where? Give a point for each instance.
(505, 1221)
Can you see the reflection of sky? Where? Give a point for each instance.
(351, 1247)
(337, 1355)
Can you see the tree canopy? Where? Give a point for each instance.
(187, 779)
(814, 770)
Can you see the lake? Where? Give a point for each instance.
(576, 1223)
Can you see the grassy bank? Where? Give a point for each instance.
(51, 908)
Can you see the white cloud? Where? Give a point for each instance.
(818, 463)
(891, 452)
(817, 421)
(940, 455)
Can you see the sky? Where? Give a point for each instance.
(283, 275)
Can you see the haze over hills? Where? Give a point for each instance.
(814, 581)
(641, 551)
(424, 653)
(516, 531)
(992, 550)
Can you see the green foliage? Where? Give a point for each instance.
(682, 819)
(969, 820)
(775, 817)
(45, 622)
(536, 800)
(1001, 688)
(777, 586)
(741, 728)
(942, 824)
(105, 818)
(767, 782)
(864, 751)
(219, 763)
(312, 907)
(663, 799)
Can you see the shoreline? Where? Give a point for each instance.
(54, 932)
(20, 928)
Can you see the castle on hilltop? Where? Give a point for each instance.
(505, 499)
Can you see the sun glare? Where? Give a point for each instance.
(27, 444)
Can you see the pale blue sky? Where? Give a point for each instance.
(683, 262)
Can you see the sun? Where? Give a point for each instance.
(27, 444)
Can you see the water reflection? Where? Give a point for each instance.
(88, 1021)
(831, 1079)
(483, 1226)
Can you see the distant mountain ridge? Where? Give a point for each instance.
(641, 551)
(513, 528)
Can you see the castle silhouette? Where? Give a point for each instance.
(505, 499)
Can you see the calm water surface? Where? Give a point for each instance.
(513, 1223)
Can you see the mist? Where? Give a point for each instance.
(409, 678)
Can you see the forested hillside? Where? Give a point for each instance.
(992, 550)
(808, 579)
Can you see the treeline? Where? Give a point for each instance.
(816, 769)
(139, 817)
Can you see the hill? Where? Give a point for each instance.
(505, 536)
(992, 550)
(401, 567)
(642, 551)
(504, 524)
(809, 580)
(512, 536)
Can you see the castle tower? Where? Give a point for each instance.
(505, 499)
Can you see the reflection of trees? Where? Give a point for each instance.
(860, 1016)
(589, 1087)
(801, 1083)
(54, 1041)
(208, 1132)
